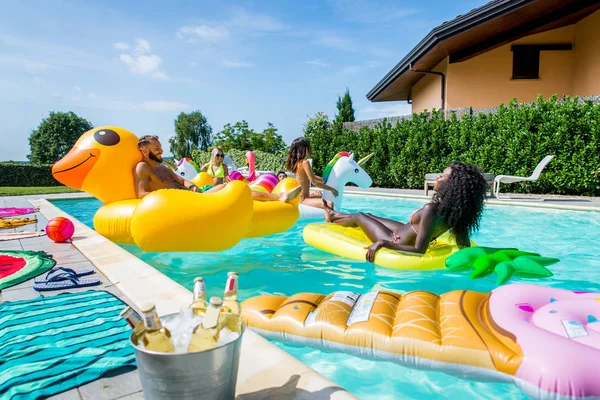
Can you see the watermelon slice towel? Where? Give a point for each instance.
(17, 266)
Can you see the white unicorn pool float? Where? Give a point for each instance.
(185, 168)
(340, 171)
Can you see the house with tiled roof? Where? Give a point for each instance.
(503, 50)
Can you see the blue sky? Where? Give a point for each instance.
(137, 64)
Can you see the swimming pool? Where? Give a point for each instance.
(284, 264)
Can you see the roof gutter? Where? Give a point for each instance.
(461, 23)
(443, 107)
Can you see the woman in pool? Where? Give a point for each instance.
(456, 206)
(297, 162)
(215, 167)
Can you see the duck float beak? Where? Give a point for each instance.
(73, 168)
(365, 159)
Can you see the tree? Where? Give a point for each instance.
(345, 110)
(192, 132)
(55, 136)
(241, 137)
(273, 142)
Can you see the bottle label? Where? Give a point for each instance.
(231, 284)
(150, 323)
(199, 290)
(362, 310)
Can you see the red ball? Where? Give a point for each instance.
(60, 229)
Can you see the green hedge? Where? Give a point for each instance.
(264, 161)
(26, 175)
(511, 141)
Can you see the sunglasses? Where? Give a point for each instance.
(219, 155)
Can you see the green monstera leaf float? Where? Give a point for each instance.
(505, 262)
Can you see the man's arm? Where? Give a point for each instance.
(142, 175)
(183, 182)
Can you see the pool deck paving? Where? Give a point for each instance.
(266, 371)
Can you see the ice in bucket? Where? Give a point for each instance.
(201, 326)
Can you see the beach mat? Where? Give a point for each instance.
(8, 223)
(49, 345)
(17, 266)
(12, 211)
(20, 235)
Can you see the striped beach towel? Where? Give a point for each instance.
(52, 344)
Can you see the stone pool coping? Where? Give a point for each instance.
(265, 370)
(573, 203)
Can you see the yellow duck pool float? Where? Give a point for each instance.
(101, 163)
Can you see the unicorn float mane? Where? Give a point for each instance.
(329, 167)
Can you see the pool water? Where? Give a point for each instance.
(284, 264)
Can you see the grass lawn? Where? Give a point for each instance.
(22, 191)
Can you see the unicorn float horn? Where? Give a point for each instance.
(365, 159)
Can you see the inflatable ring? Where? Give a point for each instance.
(351, 243)
(545, 340)
(101, 163)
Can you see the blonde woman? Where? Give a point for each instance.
(215, 168)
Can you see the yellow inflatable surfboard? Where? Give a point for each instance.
(351, 243)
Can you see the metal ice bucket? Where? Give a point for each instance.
(206, 375)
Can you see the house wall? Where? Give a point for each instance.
(586, 71)
(486, 80)
(427, 92)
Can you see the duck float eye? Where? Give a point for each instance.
(107, 137)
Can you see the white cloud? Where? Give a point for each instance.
(77, 88)
(203, 32)
(318, 63)
(92, 95)
(370, 11)
(236, 64)
(335, 42)
(36, 67)
(48, 55)
(256, 22)
(140, 62)
(121, 46)
(351, 70)
(382, 110)
(75, 98)
(162, 105)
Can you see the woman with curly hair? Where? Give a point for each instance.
(456, 206)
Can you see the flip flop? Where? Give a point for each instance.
(65, 281)
(74, 272)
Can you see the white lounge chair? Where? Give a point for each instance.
(512, 179)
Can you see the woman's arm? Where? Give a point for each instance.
(425, 229)
(317, 180)
(204, 167)
(225, 171)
